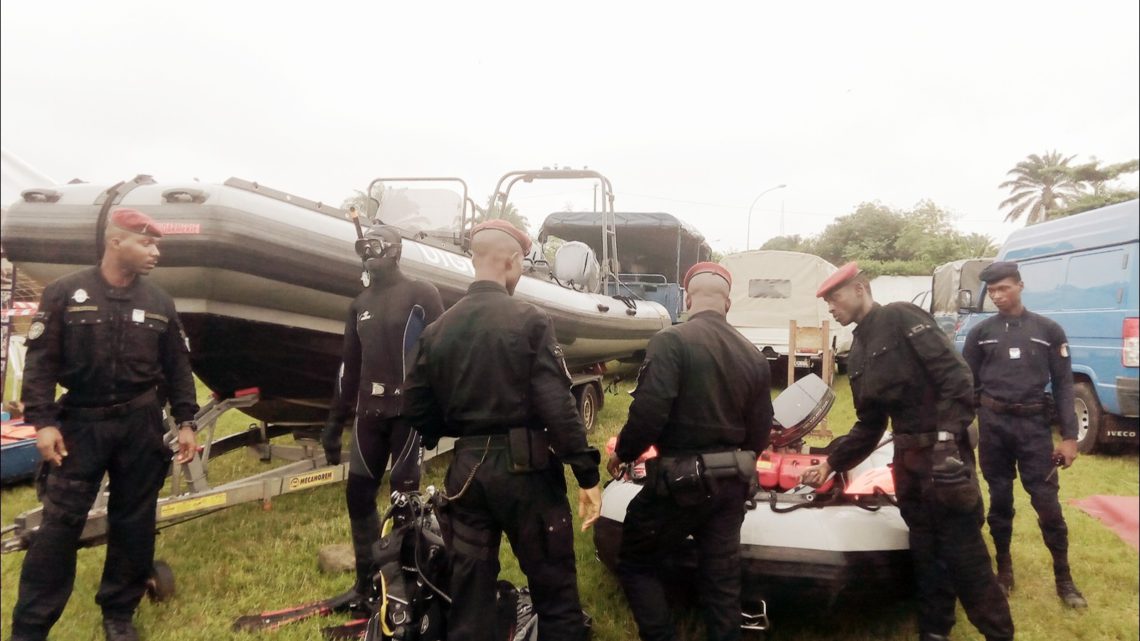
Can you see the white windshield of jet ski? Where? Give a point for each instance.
(799, 408)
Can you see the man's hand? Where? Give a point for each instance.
(1067, 450)
(187, 445)
(613, 466)
(589, 506)
(49, 441)
(816, 474)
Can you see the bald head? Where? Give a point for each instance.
(707, 292)
(497, 256)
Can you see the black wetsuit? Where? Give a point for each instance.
(383, 324)
(1013, 358)
(119, 352)
(492, 363)
(904, 369)
(702, 388)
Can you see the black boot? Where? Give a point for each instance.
(1005, 573)
(365, 533)
(120, 630)
(1069, 593)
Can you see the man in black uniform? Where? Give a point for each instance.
(383, 325)
(702, 392)
(115, 342)
(903, 368)
(491, 372)
(1014, 355)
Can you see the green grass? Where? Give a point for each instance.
(246, 559)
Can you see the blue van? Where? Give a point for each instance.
(1083, 272)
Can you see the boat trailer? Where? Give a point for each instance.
(190, 493)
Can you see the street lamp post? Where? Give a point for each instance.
(748, 238)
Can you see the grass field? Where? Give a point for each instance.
(248, 559)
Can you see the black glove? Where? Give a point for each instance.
(954, 485)
(330, 440)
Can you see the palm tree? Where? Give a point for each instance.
(1040, 184)
(509, 213)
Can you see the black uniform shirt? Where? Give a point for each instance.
(491, 363)
(383, 324)
(1014, 357)
(106, 345)
(703, 387)
(902, 367)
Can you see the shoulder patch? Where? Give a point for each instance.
(917, 329)
(36, 330)
(1064, 350)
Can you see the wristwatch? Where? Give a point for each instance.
(193, 425)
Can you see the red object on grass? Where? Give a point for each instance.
(1121, 514)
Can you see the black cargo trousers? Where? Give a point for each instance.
(1008, 444)
(656, 526)
(130, 449)
(950, 555)
(531, 508)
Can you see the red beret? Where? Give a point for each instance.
(841, 277)
(499, 224)
(135, 221)
(707, 268)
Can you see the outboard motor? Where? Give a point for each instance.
(576, 267)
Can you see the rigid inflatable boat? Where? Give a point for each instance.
(263, 279)
(845, 541)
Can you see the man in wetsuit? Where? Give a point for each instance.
(115, 342)
(490, 372)
(703, 390)
(904, 369)
(383, 324)
(1014, 355)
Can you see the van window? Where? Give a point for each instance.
(1096, 281)
(769, 288)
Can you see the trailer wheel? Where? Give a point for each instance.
(1089, 417)
(588, 406)
(160, 585)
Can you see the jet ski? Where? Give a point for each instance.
(262, 279)
(843, 542)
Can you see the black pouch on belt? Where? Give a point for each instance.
(529, 450)
(738, 465)
(684, 478)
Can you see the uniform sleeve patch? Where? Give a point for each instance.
(1064, 350)
(917, 329)
(36, 330)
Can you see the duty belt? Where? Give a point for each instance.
(489, 441)
(1017, 409)
(906, 441)
(149, 397)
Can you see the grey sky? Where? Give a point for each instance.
(692, 110)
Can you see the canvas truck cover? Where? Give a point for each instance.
(771, 288)
(951, 277)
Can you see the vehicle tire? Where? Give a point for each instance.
(588, 405)
(160, 586)
(1089, 417)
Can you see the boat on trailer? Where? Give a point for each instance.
(263, 279)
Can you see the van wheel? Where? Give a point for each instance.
(1088, 417)
(588, 406)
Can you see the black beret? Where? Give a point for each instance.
(999, 270)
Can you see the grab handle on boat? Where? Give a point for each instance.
(184, 195)
(40, 195)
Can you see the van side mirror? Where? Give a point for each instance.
(965, 300)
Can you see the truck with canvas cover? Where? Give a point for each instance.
(772, 288)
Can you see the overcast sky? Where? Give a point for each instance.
(689, 108)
